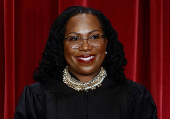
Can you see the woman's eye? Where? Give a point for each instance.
(96, 36)
(73, 38)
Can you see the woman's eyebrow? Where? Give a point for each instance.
(74, 33)
(93, 31)
(80, 33)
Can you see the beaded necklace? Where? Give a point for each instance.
(84, 86)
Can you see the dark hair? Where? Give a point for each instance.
(53, 60)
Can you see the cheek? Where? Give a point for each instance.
(68, 53)
(101, 51)
(102, 56)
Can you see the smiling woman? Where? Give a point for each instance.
(86, 60)
(81, 74)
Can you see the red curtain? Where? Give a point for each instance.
(142, 27)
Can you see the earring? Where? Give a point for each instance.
(105, 52)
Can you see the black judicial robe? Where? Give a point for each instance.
(55, 100)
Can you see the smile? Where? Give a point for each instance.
(86, 58)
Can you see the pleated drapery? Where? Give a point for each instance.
(156, 51)
(143, 27)
(9, 56)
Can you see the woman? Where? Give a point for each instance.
(81, 74)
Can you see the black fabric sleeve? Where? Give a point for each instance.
(30, 104)
(20, 111)
(145, 107)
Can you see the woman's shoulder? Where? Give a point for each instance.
(139, 91)
(127, 86)
(50, 85)
(136, 88)
(35, 88)
(142, 101)
(30, 102)
(34, 85)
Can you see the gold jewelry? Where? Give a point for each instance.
(80, 86)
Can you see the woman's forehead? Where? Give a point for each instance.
(83, 23)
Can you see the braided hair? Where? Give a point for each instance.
(53, 61)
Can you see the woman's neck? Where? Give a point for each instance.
(84, 78)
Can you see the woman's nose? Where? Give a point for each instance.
(85, 46)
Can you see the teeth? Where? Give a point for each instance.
(87, 58)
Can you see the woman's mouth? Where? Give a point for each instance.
(87, 58)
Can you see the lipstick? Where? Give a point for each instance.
(87, 58)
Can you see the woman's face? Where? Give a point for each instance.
(85, 60)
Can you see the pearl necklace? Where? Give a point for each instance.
(80, 86)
